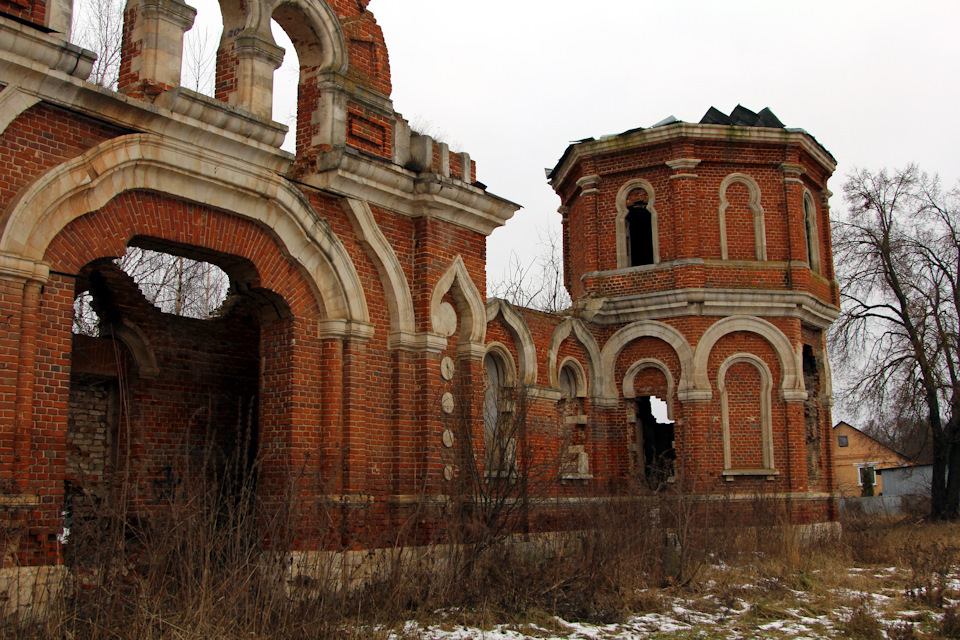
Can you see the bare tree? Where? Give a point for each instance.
(175, 284)
(537, 284)
(98, 26)
(199, 60)
(898, 264)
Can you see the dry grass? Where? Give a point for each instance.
(203, 571)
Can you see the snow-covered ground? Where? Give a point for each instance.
(865, 603)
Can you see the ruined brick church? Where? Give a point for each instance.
(356, 334)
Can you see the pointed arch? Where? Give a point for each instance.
(561, 333)
(392, 277)
(523, 337)
(759, 226)
(186, 172)
(791, 385)
(765, 417)
(473, 327)
(644, 329)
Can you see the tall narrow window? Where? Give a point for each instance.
(639, 231)
(500, 437)
(810, 232)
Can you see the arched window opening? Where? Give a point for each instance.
(498, 427)
(575, 463)
(176, 284)
(287, 87)
(639, 231)
(810, 233)
(655, 442)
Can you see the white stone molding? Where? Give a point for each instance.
(685, 130)
(713, 302)
(522, 336)
(810, 231)
(186, 172)
(19, 270)
(328, 50)
(500, 350)
(13, 102)
(766, 417)
(473, 327)
(630, 377)
(759, 226)
(791, 386)
(158, 31)
(139, 345)
(579, 376)
(642, 329)
(47, 49)
(394, 280)
(623, 259)
(596, 383)
(683, 167)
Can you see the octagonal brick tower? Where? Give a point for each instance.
(699, 255)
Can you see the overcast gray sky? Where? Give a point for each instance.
(512, 82)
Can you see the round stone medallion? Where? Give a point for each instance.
(446, 320)
(447, 403)
(446, 368)
(447, 438)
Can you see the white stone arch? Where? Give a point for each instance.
(329, 54)
(186, 172)
(13, 102)
(811, 234)
(630, 377)
(563, 330)
(642, 329)
(473, 327)
(759, 226)
(791, 385)
(579, 375)
(394, 280)
(500, 351)
(623, 258)
(139, 345)
(766, 416)
(522, 336)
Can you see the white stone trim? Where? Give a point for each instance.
(395, 286)
(759, 226)
(792, 384)
(766, 417)
(811, 229)
(186, 172)
(331, 44)
(714, 302)
(20, 270)
(630, 377)
(13, 102)
(595, 362)
(646, 328)
(500, 350)
(579, 376)
(473, 326)
(680, 130)
(623, 259)
(522, 336)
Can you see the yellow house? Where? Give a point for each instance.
(856, 459)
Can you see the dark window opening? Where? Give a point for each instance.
(639, 230)
(843, 441)
(809, 228)
(655, 445)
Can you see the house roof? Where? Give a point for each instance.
(868, 436)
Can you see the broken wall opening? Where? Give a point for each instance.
(161, 402)
(655, 435)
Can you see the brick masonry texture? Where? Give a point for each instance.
(326, 367)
